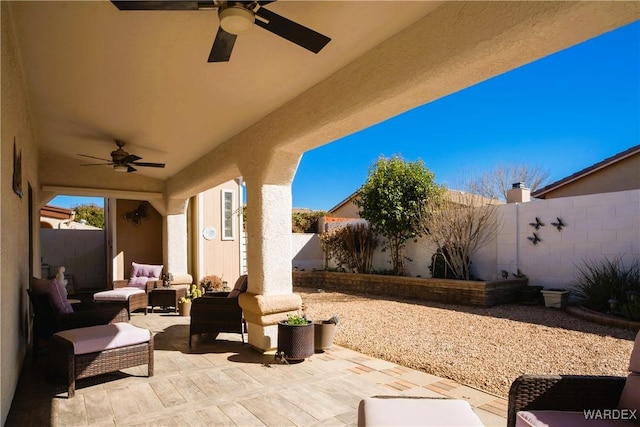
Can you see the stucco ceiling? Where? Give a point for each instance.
(95, 74)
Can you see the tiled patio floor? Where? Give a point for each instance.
(227, 383)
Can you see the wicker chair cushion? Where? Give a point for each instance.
(630, 396)
(56, 292)
(239, 287)
(634, 361)
(104, 337)
(120, 294)
(141, 273)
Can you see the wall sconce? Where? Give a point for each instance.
(137, 215)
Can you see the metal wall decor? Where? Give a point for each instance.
(559, 224)
(137, 215)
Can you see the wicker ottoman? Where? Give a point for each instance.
(130, 298)
(95, 350)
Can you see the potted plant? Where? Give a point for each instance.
(211, 283)
(184, 304)
(555, 298)
(295, 338)
(324, 332)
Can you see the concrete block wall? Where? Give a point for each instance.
(598, 226)
(81, 252)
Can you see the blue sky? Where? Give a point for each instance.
(562, 113)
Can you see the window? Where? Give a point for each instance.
(228, 218)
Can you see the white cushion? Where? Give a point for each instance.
(400, 411)
(634, 360)
(120, 294)
(104, 337)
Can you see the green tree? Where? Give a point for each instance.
(91, 213)
(396, 199)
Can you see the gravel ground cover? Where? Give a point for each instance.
(485, 348)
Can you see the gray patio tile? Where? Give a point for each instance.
(223, 382)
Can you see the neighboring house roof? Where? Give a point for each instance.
(56, 212)
(455, 196)
(61, 218)
(606, 163)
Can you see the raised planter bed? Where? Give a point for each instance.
(475, 293)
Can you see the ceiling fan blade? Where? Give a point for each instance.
(130, 158)
(131, 169)
(98, 164)
(149, 165)
(94, 157)
(222, 46)
(163, 5)
(292, 31)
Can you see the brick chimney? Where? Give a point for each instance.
(518, 193)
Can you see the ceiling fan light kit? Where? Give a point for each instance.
(236, 20)
(122, 161)
(236, 17)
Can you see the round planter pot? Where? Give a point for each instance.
(184, 308)
(323, 336)
(295, 342)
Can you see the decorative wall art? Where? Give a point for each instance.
(137, 215)
(17, 169)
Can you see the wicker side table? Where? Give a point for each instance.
(166, 297)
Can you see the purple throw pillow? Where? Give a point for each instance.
(56, 292)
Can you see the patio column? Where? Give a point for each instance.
(269, 297)
(174, 228)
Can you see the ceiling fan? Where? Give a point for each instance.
(122, 161)
(237, 17)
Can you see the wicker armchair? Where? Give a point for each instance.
(219, 312)
(563, 393)
(47, 320)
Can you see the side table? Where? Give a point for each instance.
(166, 297)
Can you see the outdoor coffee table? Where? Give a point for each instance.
(166, 297)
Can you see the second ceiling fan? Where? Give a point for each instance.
(237, 17)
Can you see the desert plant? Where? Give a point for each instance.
(351, 246)
(211, 283)
(296, 320)
(466, 223)
(597, 282)
(193, 293)
(306, 222)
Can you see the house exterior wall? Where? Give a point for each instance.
(219, 255)
(15, 215)
(621, 176)
(347, 210)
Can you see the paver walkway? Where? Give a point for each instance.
(227, 383)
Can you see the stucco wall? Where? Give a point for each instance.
(14, 217)
(142, 243)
